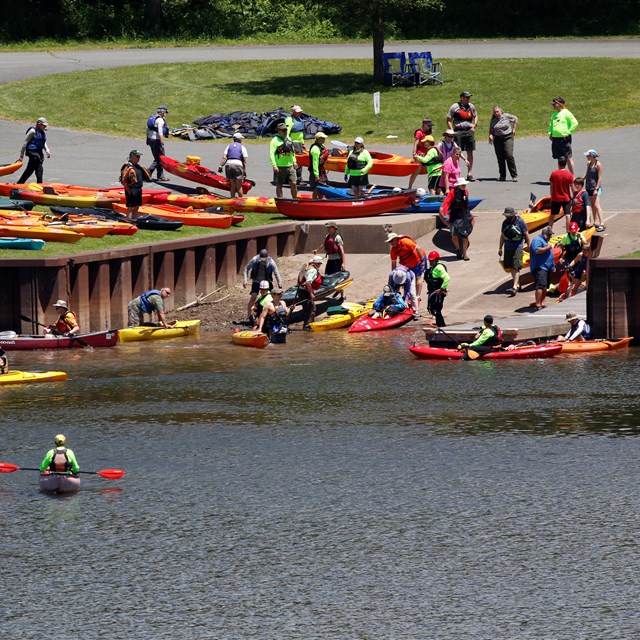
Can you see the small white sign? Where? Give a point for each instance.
(376, 103)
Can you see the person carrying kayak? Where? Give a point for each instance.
(579, 330)
(389, 304)
(356, 171)
(283, 161)
(148, 302)
(66, 324)
(488, 339)
(404, 250)
(437, 280)
(60, 459)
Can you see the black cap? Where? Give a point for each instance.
(465, 94)
(488, 319)
(264, 253)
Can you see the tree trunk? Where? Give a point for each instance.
(154, 16)
(377, 29)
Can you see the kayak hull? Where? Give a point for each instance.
(33, 244)
(176, 330)
(341, 320)
(518, 353)
(379, 324)
(9, 204)
(594, 346)
(6, 169)
(49, 234)
(59, 483)
(255, 339)
(384, 164)
(32, 343)
(24, 377)
(201, 175)
(190, 217)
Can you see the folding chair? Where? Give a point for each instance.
(424, 69)
(396, 70)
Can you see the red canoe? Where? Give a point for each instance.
(202, 175)
(440, 353)
(347, 208)
(31, 343)
(367, 323)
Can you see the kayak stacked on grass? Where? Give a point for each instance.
(195, 172)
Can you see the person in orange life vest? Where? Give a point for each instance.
(333, 246)
(4, 362)
(60, 459)
(581, 212)
(405, 251)
(418, 146)
(455, 212)
(318, 155)
(309, 281)
(66, 324)
(234, 161)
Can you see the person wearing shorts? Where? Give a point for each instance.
(513, 235)
(541, 264)
(561, 185)
(283, 160)
(463, 119)
(234, 161)
(561, 128)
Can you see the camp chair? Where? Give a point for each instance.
(424, 69)
(396, 70)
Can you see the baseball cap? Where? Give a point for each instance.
(316, 260)
(238, 136)
(331, 223)
(386, 291)
(488, 319)
(591, 152)
(296, 107)
(320, 134)
(163, 107)
(359, 140)
(135, 152)
(42, 121)
(465, 94)
(264, 253)
(282, 125)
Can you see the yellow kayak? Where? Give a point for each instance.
(174, 330)
(22, 377)
(255, 339)
(354, 311)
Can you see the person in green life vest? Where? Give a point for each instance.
(295, 130)
(263, 298)
(433, 160)
(60, 459)
(437, 280)
(359, 163)
(488, 339)
(318, 155)
(283, 161)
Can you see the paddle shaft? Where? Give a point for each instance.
(110, 474)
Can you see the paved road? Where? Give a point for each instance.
(20, 65)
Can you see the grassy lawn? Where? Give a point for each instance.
(117, 101)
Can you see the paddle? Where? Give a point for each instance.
(109, 474)
(471, 354)
(79, 340)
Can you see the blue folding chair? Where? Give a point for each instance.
(424, 69)
(396, 70)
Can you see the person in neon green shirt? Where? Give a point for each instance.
(317, 158)
(487, 340)
(359, 163)
(561, 128)
(283, 161)
(433, 160)
(60, 459)
(295, 130)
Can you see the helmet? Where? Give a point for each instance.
(397, 189)
(573, 227)
(264, 284)
(421, 192)
(399, 276)
(434, 255)
(60, 440)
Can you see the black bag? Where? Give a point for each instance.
(462, 227)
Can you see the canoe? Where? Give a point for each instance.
(190, 217)
(591, 346)
(385, 164)
(30, 343)
(6, 169)
(59, 483)
(50, 234)
(201, 175)
(255, 339)
(176, 329)
(517, 353)
(33, 244)
(23, 377)
(426, 204)
(347, 208)
(11, 204)
(378, 324)
(37, 196)
(331, 284)
(354, 310)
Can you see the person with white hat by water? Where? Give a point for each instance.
(579, 330)
(66, 324)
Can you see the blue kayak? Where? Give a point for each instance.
(21, 243)
(425, 204)
(15, 205)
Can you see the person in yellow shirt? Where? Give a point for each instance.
(561, 128)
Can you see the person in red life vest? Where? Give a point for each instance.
(309, 281)
(234, 161)
(60, 459)
(463, 119)
(581, 205)
(405, 251)
(35, 146)
(561, 182)
(489, 338)
(66, 324)
(333, 246)
(318, 155)
(454, 212)
(419, 148)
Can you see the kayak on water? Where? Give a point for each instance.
(591, 346)
(386, 322)
(517, 353)
(348, 314)
(176, 329)
(10, 341)
(23, 377)
(256, 339)
(59, 482)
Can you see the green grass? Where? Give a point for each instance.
(117, 101)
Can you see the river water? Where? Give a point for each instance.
(331, 488)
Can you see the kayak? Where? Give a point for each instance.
(50, 234)
(11, 342)
(347, 208)
(426, 204)
(385, 164)
(353, 311)
(6, 169)
(378, 324)
(145, 221)
(331, 284)
(38, 196)
(591, 346)
(517, 353)
(191, 217)
(32, 244)
(22, 377)
(74, 189)
(256, 204)
(111, 227)
(537, 216)
(175, 329)
(255, 339)
(155, 223)
(59, 483)
(9, 204)
(201, 175)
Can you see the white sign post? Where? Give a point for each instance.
(376, 108)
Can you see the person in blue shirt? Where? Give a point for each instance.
(390, 303)
(541, 264)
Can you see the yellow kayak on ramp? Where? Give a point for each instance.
(353, 311)
(176, 329)
(22, 377)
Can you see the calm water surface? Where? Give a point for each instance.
(330, 488)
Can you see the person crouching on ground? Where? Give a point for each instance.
(66, 324)
(263, 298)
(579, 330)
(387, 305)
(488, 339)
(403, 281)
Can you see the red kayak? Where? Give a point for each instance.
(347, 208)
(10, 341)
(201, 175)
(368, 323)
(517, 353)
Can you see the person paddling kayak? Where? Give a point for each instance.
(488, 339)
(60, 459)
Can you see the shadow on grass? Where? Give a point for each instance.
(322, 85)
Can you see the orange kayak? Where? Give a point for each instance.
(591, 346)
(255, 339)
(112, 227)
(88, 227)
(38, 196)
(384, 164)
(6, 169)
(188, 216)
(74, 189)
(43, 233)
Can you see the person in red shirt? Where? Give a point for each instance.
(561, 182)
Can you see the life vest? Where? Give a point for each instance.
(354, 162)
(38, 141)
(574, 247)
(421, 150)
(324, 154)
(496, 339)
(151, 125)
(437, 159)
(463, 114)
(298, 125)
(234, 152)
(64, 323)
(446, 148)
(459, 205)
(285, 148)
(302, 278)
(144, 300)
(408, 253)
(132, 175)
(262, 269)
(577, 205)
(513, 232)
(60, 462)
(433, 282)
(330, 244)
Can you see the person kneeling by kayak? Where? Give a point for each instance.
(579, 331)
(60, 459)
(389, 304)
(273, 319)
(148, 302)
(488, 339)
